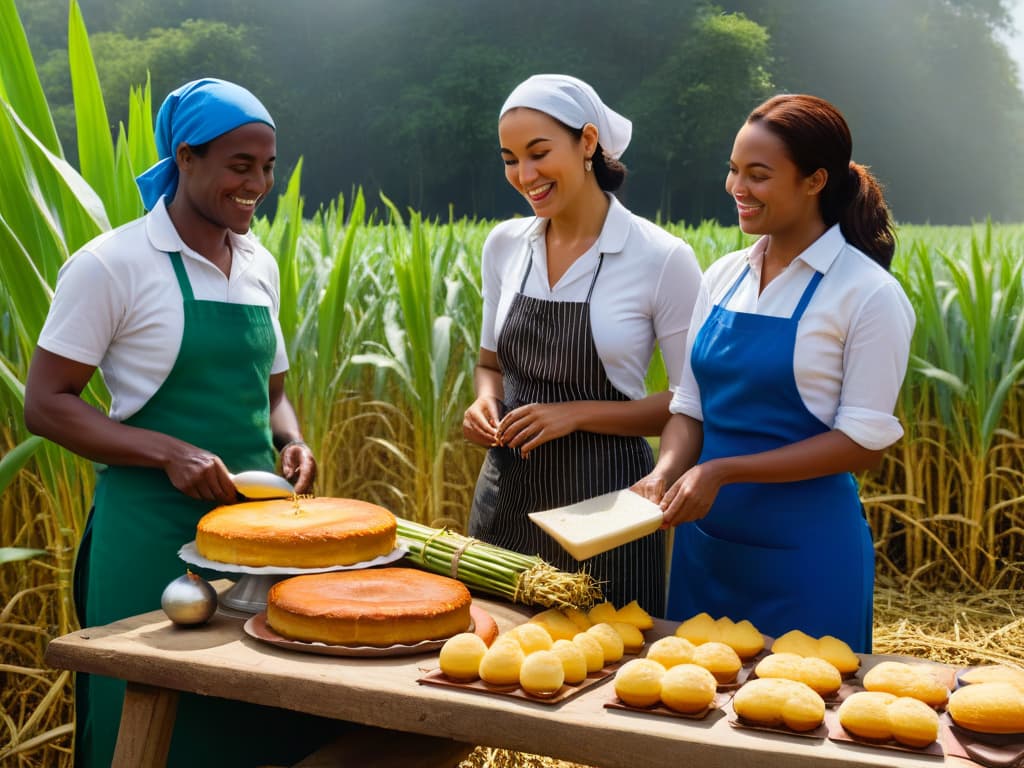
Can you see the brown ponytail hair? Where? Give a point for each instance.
(816, 136)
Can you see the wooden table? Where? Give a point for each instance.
(158, 660)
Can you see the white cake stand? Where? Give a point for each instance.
(249, 594)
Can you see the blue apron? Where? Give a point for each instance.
(794, 555)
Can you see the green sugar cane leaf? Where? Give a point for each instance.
(12, 462)
(19, 79)
(95, 143)
(17, 554)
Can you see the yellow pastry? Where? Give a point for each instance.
(903, 679)
(460, 656)
(719, 659)
(542, 673)
(777, 701)
(592, 649)
(743, 637)
(698, 629)
(821, 676)
(881, 716)
(501, 663)
(557, 624)
(988, 707)
(994, 673)
(671, 650)
(602, 612)
(531, 637)
(688, 688)
(632, 613)
(638, 682)
(632, 638)
(611, 641)
(574, 661)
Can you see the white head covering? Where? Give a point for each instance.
(574, 103)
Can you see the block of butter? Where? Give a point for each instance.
(604, 522)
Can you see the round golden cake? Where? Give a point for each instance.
(376, 607)
(296, 533)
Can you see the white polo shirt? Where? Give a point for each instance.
(117, 304)
(853, 341)
(645, 291)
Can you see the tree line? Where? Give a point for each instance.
(402, 96)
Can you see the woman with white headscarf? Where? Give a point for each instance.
(575, 299)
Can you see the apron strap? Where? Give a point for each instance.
(182, 275)
(806, 298)
(600, 263)
(529, 265)
(732, 290)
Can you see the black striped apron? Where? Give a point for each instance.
(547, 355)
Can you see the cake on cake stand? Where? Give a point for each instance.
(249, 594)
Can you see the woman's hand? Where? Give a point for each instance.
(200, 474)
(691, 496)
(532, 425)
(298, 465)
(651, 487)
(480, 423)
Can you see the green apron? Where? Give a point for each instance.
(215, 397)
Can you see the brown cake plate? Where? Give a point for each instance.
(256, 627)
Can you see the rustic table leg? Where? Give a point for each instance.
(147, 721)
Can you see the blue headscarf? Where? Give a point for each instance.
(195, 113)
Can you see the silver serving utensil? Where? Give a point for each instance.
(257, 484)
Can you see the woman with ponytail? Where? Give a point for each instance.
(788, 387)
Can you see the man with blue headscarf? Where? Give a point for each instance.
(178, 310)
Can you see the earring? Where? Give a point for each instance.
(588, 165)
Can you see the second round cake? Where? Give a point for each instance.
(374, 607)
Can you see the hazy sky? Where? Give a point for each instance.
(1015, 42)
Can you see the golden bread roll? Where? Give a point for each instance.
(988, 707)
(719, 659)
(994, 673)
(611, 641)
(903, 679)
(542, 673)
(688, 688)
(881, 716)
(632, 637)
(671, 650)
(632, 613)
(821, 676)
(574, 661)
(592, 649)
(460, 656)
(698, 629)
(531, 637)
(777, 701)
(638, 682)
(913, 722)
(501, 663)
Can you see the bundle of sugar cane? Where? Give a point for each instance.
(496, 571)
